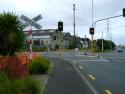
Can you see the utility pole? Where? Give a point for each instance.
(92, 13)
(108, 31)
(92, 35)
(85, 43)
(102, 42)
(74, 21)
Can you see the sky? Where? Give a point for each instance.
(53, 11)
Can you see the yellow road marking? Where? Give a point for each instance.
(92, 77)
(108, 92)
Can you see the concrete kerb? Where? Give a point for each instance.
(45, 78)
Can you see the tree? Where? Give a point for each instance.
(106, 44)
(12, 37)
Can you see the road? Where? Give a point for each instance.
(105, 73)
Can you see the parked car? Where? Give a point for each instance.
(120, 51)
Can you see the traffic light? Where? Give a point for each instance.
(123, 12)
(91, 31)
(60, 26)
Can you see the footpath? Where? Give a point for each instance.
(64, 79)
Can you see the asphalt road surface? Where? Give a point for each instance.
(106, 73)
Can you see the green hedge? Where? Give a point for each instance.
(39, 65)
(19, 86)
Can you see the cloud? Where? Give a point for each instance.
(54, 11)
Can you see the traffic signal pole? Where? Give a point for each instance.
(94, 23)
(74, 21)
(105, 19)
(92, 33)
(102, 42)
(60, 28)
(92, 45)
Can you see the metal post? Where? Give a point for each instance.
(30, 43)
(102, 42)
(74, 22)
(60, 43)
(109, 34)
(85, 42)
(105, 19)
(92, 13)
(92, 44)
(92, 35)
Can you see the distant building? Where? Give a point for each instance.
(51, 39)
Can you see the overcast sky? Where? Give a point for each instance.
(56, 10)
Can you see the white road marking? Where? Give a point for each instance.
(80, 67)
(92, 60)
(104, 59)
(74, 61)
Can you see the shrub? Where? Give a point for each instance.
(31, 86)
(4, 84)
(39, 65)
(19, 86)
(12, 37)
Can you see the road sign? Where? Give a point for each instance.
(31, 22)
(37, 18)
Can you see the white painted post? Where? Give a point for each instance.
(30, 42)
